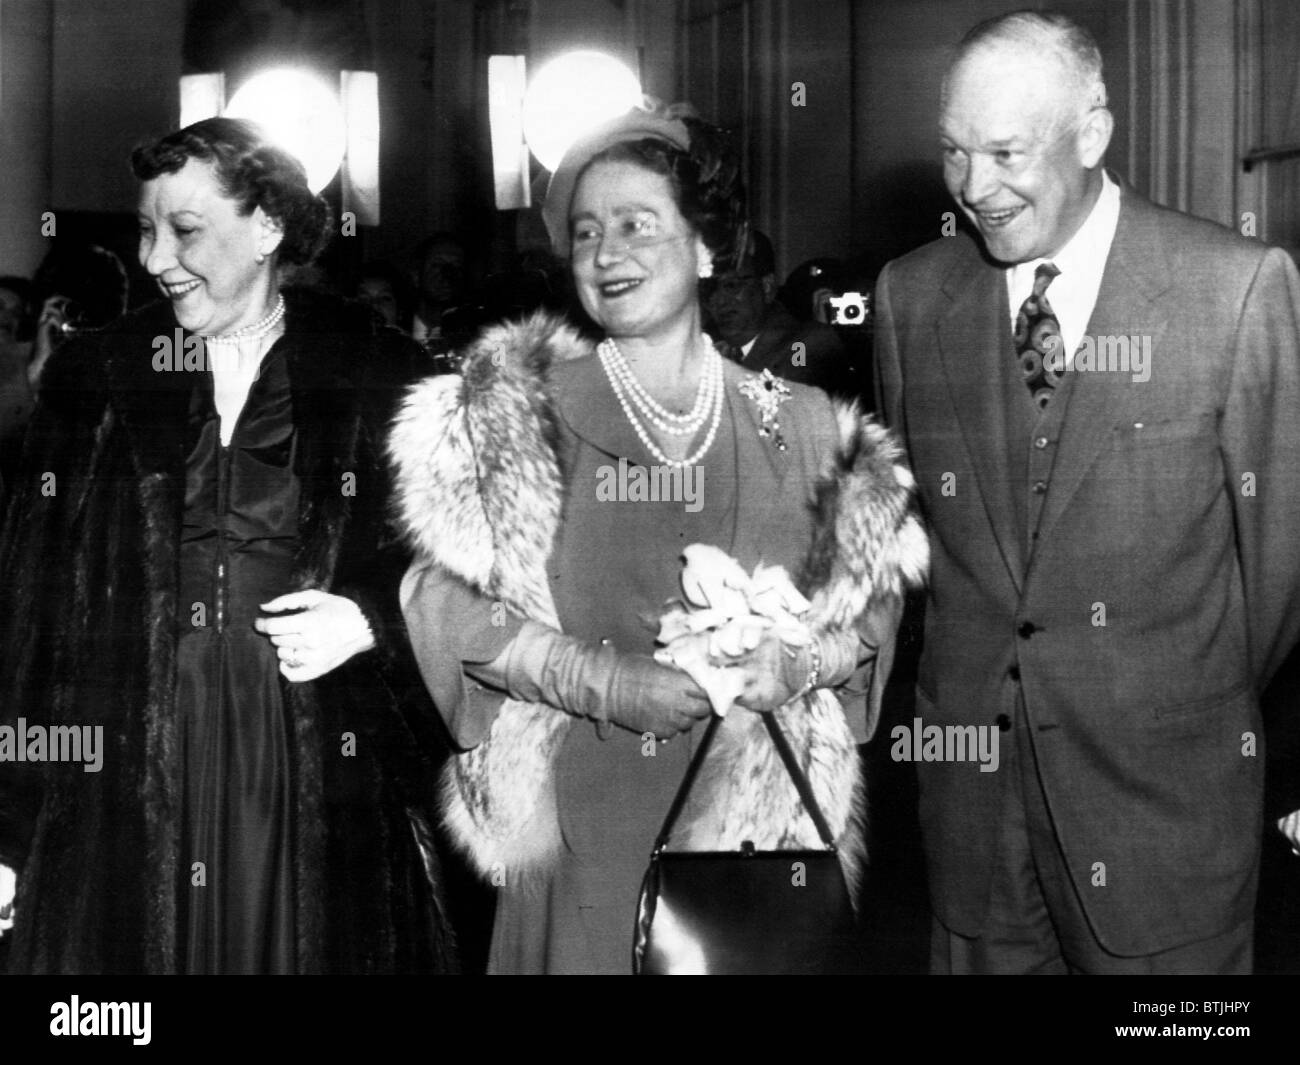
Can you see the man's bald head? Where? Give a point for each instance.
(1042, 38)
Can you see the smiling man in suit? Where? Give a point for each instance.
(1101, 403)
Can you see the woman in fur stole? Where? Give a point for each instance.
(545, 562)
(195, 561)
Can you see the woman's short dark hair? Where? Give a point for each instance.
(705, 182)
(252, 172)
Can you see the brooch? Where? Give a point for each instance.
(768, 393)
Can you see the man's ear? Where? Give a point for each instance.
(270, 232)
(769, 287)
(1093, 137)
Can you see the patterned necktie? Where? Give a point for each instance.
(1038, 339)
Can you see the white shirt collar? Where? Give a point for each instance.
(1082, 262)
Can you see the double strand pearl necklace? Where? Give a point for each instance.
(708, 402)
(257, 331)
(659, 416)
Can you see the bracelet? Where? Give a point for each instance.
(814, 674)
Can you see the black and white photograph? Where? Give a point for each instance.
(649, 487)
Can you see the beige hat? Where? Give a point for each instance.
(634, 126)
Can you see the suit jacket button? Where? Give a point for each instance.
(1040, 487)
(1026, 630)
(1041, 442)
(1003, 722)
(1014, 673)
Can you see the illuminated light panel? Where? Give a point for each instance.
(360, 96)
(301, 114)
(572, 94)
(202, 96)
(506, 119)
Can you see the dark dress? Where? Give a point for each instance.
(308, 803)
(238, 541)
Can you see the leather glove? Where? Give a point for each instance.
(776, 673)
(600, 682)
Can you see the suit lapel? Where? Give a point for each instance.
(590, 408)
(326, 418)
(153, 406)
(771, 351)
(1136, 274)
(754, 494)
(977, 310)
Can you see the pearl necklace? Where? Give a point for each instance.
(256, 331)
(659, 416)
(624, 383)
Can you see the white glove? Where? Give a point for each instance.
(1289, 826)
(8, 889)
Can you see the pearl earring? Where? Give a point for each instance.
(259, 258)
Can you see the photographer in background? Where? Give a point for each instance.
(811, 286)
(382, 287)
(16, 387)
(754, 329)
(442, 281)
(79, 287)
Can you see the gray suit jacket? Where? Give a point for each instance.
(1173, 503)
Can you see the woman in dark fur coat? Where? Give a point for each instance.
(196, 563)
(544, 563)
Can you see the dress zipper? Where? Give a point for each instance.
(223, 484)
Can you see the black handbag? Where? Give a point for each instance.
(745, 911)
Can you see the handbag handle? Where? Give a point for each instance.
(787, 758)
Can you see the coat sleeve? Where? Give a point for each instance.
(1260, 439)
(888, 371)
(450, 625)
(878, 628)
(34, 571)
(878, 613)
(374, 557)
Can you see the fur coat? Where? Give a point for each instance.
(89, 572)
(479, 493)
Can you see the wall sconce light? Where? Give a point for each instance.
(324, 129)
(301, 114)
(571, 94)
(568, 96)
